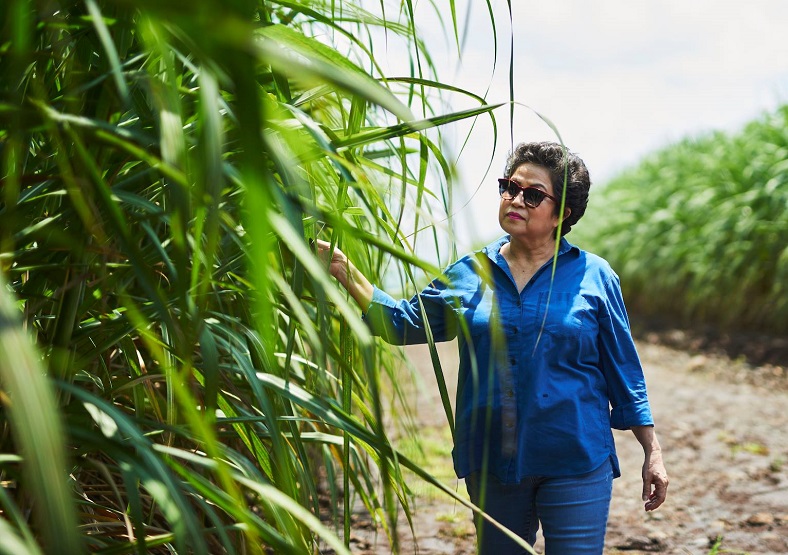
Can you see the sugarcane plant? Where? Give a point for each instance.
(178, 372)
(700, 233)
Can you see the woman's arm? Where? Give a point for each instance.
(399, 322)
(347, 274)
(654, 474)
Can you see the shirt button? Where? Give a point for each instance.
(510, 425)
(509, 393)
(512, 361)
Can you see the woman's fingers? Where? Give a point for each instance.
(657, 479)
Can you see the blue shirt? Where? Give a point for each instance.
(544, 372)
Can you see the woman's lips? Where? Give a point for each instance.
(514, 216)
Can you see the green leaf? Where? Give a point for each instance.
(302, 58)
(37, 429)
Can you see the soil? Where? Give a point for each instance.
(723, 426)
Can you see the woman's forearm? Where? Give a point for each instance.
(647, 438)
(355, 282)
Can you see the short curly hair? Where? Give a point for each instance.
(551, 157)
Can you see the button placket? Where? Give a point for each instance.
(508, 397)
(512, 307)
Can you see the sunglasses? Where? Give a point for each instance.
(532, 196)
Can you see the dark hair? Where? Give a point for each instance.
(551, 157)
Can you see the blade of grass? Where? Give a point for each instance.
(38, 431)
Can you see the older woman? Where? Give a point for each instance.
(547, 363)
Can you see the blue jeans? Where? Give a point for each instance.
(573, 511)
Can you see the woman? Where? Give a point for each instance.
(547, 363)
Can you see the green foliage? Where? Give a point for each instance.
(699, 230)
(164, 168)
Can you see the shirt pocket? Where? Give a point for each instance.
(568, 313)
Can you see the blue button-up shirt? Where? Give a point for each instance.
(544, 372)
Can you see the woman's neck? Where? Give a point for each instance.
(525, 260)
(528, 253)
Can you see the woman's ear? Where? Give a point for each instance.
(567, 212)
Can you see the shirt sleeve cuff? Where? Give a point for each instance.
(378, 315)
(379, 300)
(624, 417)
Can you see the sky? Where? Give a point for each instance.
(618, 78)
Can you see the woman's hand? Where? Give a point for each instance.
(337, 260)
(655, 480)
(655, 477)
(346, 273)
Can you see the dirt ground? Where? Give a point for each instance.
(723, 426)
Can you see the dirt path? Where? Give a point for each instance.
(725, 441)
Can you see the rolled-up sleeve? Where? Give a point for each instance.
(408, 322)
(619, 361)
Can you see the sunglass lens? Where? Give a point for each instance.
(507, 189)
(533, 197)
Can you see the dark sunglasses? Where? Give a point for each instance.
(532, 196)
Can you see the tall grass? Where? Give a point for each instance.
(206, 387)
(699, 230)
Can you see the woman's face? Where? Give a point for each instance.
(521, 221)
